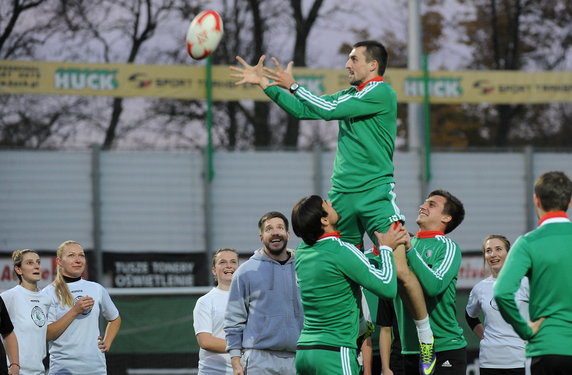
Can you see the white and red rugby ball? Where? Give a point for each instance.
(204, 34)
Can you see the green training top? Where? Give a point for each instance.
(436, 260)
(329, 276)
(373, 301)
(367, 130)
(545, 257)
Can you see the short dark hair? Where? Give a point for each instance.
(374, 51)
(554, 189)
(306, 218)
(453, 207)
(271, 215)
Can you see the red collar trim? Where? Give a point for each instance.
(552, 215)
(375, 250)
(429, 234)
(331, 234)
(376, 79)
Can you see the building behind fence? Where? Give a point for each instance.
(150, 220)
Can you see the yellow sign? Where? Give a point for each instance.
(188, 82)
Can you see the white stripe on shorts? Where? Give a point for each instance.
(346, 361)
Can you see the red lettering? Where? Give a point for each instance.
(6, 273)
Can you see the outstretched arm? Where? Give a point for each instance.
(281, 77)
(250, 74)
(356, 266)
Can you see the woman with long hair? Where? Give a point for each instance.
(501, 350)
(28, 309)
(75, 344)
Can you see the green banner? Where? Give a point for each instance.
(155, 324)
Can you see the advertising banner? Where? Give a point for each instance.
(189, 82)
(157, 270)
(8, 278)
(471, 272)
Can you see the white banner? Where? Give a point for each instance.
(8, 278)
(471, 272)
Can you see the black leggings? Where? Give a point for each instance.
(449, 362)
(551, 365)
(502, 371)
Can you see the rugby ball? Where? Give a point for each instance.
(204, 34)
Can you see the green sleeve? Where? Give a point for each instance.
(516, 266)
(381, 282)
(370, 101)
(290, 104)
(435, 279)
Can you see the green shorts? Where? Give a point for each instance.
(365, 212)
(342, 361)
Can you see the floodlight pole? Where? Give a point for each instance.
(209, 171)
(415, 110)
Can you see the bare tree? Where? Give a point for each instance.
(303, 27)
(102, 22)
(17, 42)
(516, 35)
(28, 120)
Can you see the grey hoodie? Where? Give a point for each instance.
(264, 308)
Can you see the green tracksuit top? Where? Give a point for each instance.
(544, 255)
(330, 273)
(436, 260)
(367, 129)
(373, 300)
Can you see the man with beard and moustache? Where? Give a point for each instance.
(264, 314)
(362, 179)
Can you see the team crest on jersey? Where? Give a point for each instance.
(428, 253)
(38, 316)
(494, 304)
(85, 312)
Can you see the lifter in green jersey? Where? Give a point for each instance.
(362, 179)
(436, 260)
(544, 255)
(330, 273)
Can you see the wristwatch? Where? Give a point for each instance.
(294, 87)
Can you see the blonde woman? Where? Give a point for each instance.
(208, 316)
(501, 351)
(75, 344)
(28, 309)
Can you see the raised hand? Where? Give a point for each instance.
(250, 74)
(281, 77)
